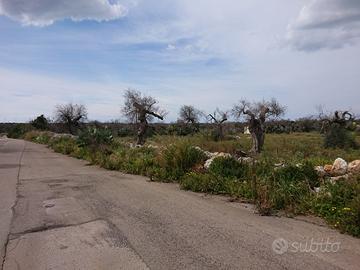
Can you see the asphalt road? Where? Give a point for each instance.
(58, 213)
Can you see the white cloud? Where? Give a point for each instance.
(45, 12)
(328, 24)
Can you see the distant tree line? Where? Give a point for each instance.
(140, 110)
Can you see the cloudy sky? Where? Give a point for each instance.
(209, 53)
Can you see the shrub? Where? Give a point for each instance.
(64, 145)
(216, 184)
(229, 167)
(38, 136)
(290, 186)
(208, 182)
(18, 131)
(339, 204)
(94, 137)
(40, 123)
(338, 136)
(177, 159)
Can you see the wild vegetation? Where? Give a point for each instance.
(282, 178)
(279, 175)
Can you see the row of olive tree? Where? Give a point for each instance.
(141, 109)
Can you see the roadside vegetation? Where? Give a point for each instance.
(282, 179)
(286, 173)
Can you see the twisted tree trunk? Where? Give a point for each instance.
(257, 130)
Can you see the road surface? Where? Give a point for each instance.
(58, 213)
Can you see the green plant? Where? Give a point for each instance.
(64, 145)
(177, 159)
(93, 137)
(229, 167)
(339, 136)
(208, 182)
(42, 137)
(290, 186)
(18, 131)
(40, 123)
(339, 204)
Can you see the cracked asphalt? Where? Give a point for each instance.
(59, 213)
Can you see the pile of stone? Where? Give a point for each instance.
(340, 170)
(61, 135)
(212, 156)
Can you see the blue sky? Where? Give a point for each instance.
(207, 53)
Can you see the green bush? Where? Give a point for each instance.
(290, 186)
(93, 137)
(208, 183)
(216, 184)
(338, 136)
(229, 167)
(64, 145)
(178, 159)
(339, 204)
(41, 137)
(18, 131)
(40, 123)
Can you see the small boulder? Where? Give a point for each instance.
(354, 167)
(246, 160)
(320, 171)
(339, 167)
(335, 179)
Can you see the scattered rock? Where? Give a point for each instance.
(320, 171)
(328, 169)
(279, 165)
(335, 179)
(153, 146)
(339, 167)
(64, 135)
(207, 153)
(214, 156)
(354, 167)
(245, 159)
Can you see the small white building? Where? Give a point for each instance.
(247, 131)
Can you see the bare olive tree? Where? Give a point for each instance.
(71, 115)
(337, 128)
(342, 119)
(219, 118)
(141, 109)
(256, 114)
(190, 116)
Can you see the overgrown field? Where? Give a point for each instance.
(282, 178)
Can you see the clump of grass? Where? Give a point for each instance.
(42, 137)
(64, 145)
(339, 204)
(229, 167)
(177, 159)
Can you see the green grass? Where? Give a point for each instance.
(289, 188)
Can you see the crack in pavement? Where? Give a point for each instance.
(45, 228)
